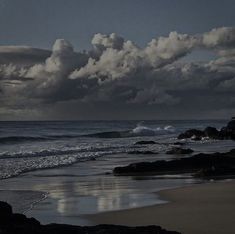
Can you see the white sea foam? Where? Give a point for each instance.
(147, 131)
(26, 146)
(14, 166)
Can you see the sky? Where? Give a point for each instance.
(106, 59)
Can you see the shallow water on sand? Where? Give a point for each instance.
(78, 183)
(83, 188)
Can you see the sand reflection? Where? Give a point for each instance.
(82, 196)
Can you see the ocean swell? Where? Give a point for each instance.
(139, 131)
(58, 152)
(15, 139)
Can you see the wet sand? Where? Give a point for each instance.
(199, 209)
(84, 188)
(22, 200)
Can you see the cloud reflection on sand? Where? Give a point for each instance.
(99, 195)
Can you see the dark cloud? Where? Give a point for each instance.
(118, 75)
(22, 55)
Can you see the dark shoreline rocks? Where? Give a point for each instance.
(142, 152)
(11, 223)
(145, 143)
(178, 150)
(190, 133)
(179, 143)
(226, 133)
(216, 172)
(191, 164)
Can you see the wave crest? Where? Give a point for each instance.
(146, 131)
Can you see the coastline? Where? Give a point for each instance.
(83, 189)
(203, 208)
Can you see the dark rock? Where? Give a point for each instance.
(179, 143)
(211, 132)
(178, 166)
(191, 133)
(231, 125)
(18, 223)
(226, 133)
(145, 143)
(5, 209)
(21, 219)
(214, 172)
(142, 152)
(5, 214)
(178, 150)
(106, 229)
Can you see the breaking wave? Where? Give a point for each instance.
(146, 131)
(137, 131)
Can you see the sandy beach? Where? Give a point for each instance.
(199, 209)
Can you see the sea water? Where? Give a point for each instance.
(80, 154)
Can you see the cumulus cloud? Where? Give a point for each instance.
(219, 38)
(121, 58)
(117, 72)
(102, 41)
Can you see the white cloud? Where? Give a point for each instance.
(219, 38)
(116, 71)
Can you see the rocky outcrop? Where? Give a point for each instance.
(231, 124)
(178, 166)
(5, 210)
(225, 133)
(142, 152)
(179, 143)
(211, 132)
(11, 223)
(104, 229)
(16, 223)
(145, 143)
(178, 150)
(216, 172)
(191, 133)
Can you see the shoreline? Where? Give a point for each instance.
(201, 208)
(28, 198)
(84, 189)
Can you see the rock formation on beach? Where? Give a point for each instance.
(191, 164)
(145, 143)
(11, 223)
(178, 150)
(216, 172)
(225, 133)
(142, 152)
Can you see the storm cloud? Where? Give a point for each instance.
(118, 75)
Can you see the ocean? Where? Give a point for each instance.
(61, 170)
